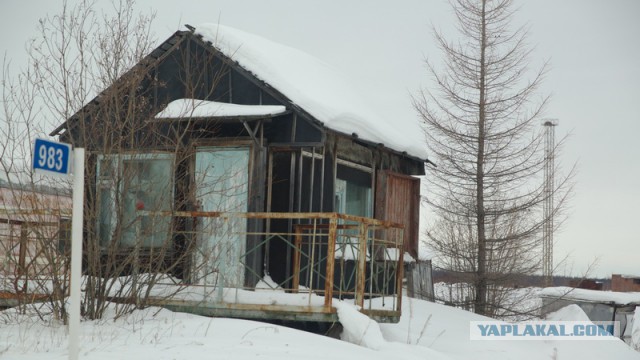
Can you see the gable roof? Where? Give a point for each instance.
(311, 85)
(315, 87)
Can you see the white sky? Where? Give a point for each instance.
(593, 46)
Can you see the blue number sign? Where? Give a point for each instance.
(52, 157)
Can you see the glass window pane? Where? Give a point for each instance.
(105, 213)
(353, 191)
(145, 188)
(358, 200)
(352, 197)
(222, 184)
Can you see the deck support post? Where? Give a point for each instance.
(331, 250)
(361, 275)
(400, 271)
(296, 259)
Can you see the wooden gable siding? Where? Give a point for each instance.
(398, 200)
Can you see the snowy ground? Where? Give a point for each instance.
(426, 331)
(525, 300)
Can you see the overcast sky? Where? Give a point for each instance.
(593, 46)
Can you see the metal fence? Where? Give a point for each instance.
(322, 257)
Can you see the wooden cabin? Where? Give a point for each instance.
(254, 166)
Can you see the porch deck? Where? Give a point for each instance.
(326, 257)
(269, 305)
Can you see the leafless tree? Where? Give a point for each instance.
(483, 125)
(92, 68)
(33, 210)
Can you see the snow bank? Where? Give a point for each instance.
(426, 331)
(358, 328)
(524, 301)
(635, 330)
(572, 312)
(316, 87)
(445, 330)
(267, 284)
(158, 334)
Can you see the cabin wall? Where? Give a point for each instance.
(304, 180)
(294, 160)
(281, 187)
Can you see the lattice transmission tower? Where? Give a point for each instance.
(547, 230)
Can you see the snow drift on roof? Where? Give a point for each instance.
(629, 276)
(201, 108)
(619, 298)
(571, 312)
(316, 87)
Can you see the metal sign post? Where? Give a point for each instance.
(55, 158)
(76, 252)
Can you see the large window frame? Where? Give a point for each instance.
(131, 190)
(353, 196)
(222, 180)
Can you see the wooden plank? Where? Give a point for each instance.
(362, 266)
(328, 284)
(296, 259)
(398, 200)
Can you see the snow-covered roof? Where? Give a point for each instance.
(619, 298)
(629, 276)
(201, 108)
(316, 87)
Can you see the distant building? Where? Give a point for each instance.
(35, 224)
(597, 305)
(625, 283)
(586, 284)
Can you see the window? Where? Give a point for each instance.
(353, 192)
(64, 236)
(132, 190)
(353, 199)
(353, 196)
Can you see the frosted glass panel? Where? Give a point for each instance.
(222, 184)
(147, 189)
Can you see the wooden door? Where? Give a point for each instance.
(398, 200)
(222, 181)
